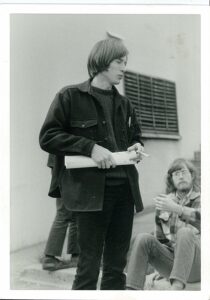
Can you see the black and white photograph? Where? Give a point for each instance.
(106, 149)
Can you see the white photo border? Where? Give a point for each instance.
(5, 12)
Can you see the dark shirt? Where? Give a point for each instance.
(114, 176)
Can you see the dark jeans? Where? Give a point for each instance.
(64, 219)
(108, 231)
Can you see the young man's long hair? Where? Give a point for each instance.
(178, 164)
(103, 53)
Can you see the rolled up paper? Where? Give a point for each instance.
(80, 161)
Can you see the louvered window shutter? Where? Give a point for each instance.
(154, 100)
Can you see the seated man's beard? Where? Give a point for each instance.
(184, 187)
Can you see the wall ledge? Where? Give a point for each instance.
(149, 135)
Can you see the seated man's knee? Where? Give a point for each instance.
(143, 239)
(185, 233)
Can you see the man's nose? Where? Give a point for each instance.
(123, 67)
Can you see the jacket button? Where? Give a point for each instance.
(83, 125)
(105, 139)
(103, 122)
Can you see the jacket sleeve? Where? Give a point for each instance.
(192, 215)
(134, 127)
(55, 136)
(51, 161)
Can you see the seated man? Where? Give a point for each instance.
(174, 249)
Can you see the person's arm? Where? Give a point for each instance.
(191, 215)
(55, 136)
(51, 161)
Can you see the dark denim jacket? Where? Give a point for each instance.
(74, 124)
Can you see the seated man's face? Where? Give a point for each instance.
(182, 179)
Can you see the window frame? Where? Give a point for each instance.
(168, 104)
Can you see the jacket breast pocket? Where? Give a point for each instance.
(86, 128)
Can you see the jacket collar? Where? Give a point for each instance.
(192, 195)
(86, 87)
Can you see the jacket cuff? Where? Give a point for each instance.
(88, 148)
(135, 142)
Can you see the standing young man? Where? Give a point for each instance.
(94, 120)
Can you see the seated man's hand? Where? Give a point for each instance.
(138, 148)
(103, 157)
(166, 203)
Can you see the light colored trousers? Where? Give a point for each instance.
(183, 264)
(64, 219)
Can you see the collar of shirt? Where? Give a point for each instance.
(187, 198)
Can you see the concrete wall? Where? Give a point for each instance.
(49, 52)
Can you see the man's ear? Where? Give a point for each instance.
(192, 175)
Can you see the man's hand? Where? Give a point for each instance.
(165, 203)
(103, 157)
(138, 148)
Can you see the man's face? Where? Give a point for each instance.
(182, 179)
(115, 71)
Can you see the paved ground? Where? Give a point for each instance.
(25, 263)
(27, 274)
